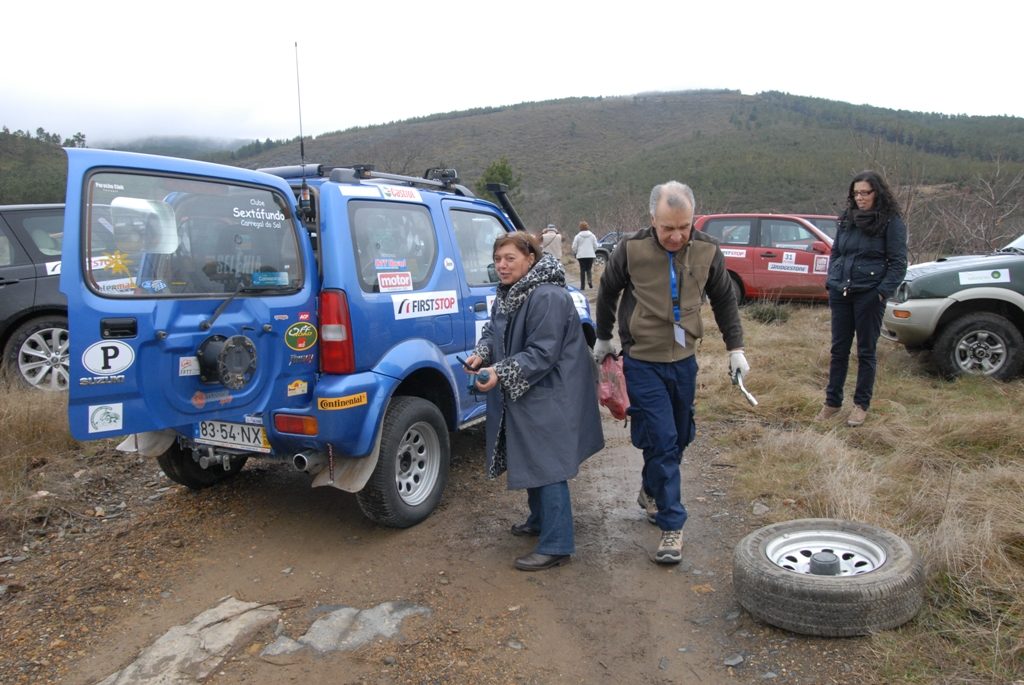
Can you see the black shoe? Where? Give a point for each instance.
(535, 561)
(522, 530)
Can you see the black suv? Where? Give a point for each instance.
(33, 312)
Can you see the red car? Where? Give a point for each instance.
(776, 256)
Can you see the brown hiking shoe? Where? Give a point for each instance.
(826, 413)
(670, 549)
(857, 417)
(648, 504)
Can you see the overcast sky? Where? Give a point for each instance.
(219, 68)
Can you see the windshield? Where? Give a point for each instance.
(158, 236)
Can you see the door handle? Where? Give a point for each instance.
(10, 281)
(121, 327)
(479, 306)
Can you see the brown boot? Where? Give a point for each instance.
(857, 417)
(826, 413)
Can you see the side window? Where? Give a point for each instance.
(44, 227)
(475, 234)
(729, 231)
(395, 244)
(10, 252)
(785, 235)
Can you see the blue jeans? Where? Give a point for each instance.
(857, 313)
(551, 514)
(662, 425)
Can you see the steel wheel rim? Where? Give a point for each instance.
(43, 359)
(418, 463)
(793, 551)
(980, 352)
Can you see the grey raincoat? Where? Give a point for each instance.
(543, 419)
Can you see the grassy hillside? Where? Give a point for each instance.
(597, 158)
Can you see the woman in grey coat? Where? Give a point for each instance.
(542, 413)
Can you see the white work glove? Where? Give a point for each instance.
(737, 362)
(602, 348)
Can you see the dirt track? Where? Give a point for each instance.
(91, 601)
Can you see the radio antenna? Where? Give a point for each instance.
(304, 206)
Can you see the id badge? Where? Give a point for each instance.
(680, 334)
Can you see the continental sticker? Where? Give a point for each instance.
(982, 277)
(425, 304)
(347, 402)
(300, 336)
(791, 268)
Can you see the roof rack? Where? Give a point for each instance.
(442, 179)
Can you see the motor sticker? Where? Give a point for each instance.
(791, 268)
(106, 417)
(336, 403)
(265, 278)
(425, 304)
(982, 277)
(298, 387)
(449, 264)
(188, 366)
(731, 252)
(394, 281)
(389, 264)
(359, 191)
(821, 264)
(300, 359)
(789, 257)
(300, 336)
(108, 357)
(401, 193)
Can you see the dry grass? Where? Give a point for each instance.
(940, 463)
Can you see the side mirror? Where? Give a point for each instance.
(820, 247)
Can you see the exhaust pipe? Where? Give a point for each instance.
(310, 462)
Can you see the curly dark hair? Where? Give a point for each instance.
(885, 201)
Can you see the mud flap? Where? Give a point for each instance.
(350, 475)
(148, 444)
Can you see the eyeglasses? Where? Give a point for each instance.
(863, 193)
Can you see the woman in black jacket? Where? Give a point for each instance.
(869, 260)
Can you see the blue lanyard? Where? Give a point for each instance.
(674, 285)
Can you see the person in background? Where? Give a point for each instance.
(543, 419)
(662, 274)
(551, 242)
(869, 261)
(584, 247)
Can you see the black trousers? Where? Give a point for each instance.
(857, 314)
(586, 266)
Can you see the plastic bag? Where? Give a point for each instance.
(611, 387)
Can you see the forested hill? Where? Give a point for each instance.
(597, 158)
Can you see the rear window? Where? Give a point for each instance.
(159, 236)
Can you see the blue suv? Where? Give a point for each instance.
(307, 314)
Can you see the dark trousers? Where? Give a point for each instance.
(857, 314)
(661, 424)
(586, 265)
(551, 514)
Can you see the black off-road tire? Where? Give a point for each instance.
(178, 465)
(36, 355)
(888, 595)
(983, 344)
(412, 469)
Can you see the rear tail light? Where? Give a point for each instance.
(337, 352)
(296, 424)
